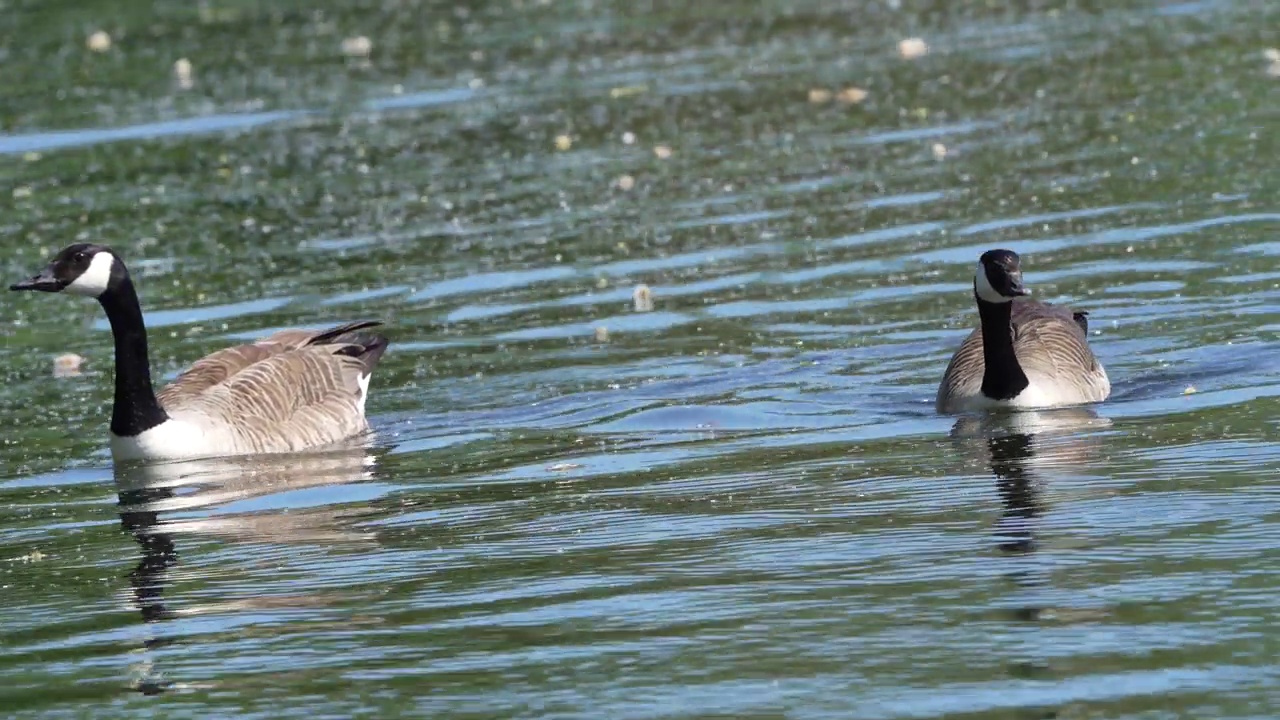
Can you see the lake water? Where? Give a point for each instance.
(739, 503)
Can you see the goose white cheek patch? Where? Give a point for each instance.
(983, 287)
(95, 279)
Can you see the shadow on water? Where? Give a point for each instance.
(161, 503)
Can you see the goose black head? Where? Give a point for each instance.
(82, 269)
(998, 278)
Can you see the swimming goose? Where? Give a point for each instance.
(1024, 354)
(292, 391)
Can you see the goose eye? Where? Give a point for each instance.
(80, 256)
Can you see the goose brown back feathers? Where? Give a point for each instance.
(290, 391)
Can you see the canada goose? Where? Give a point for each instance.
(292, 391)
(1024, 354)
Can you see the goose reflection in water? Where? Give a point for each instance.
(1026, 451)
(1031, 453)
(152, 495)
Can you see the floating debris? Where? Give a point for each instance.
(182, 73)
(628, 138)
(642, 298)
(357, 47)
(819, 96)
(22, 191)
(1190, 390)
(1272, 56)
(563, 142)
(662, 151)
(851, 95)
(913, 48)
(939, 151)
(98, 42)
(563, 466)
(67, 365)
(627, 90)
(602, 334)
(626, 182)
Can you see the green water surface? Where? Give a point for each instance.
(737, 504)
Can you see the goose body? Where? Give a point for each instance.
(289, 392)
(1024, 353)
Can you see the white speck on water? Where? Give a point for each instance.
(98, 42)
(357, 47)
(182, 73)
(912, 48)
(642, 298)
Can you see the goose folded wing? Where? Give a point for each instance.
(963, 376)
(293, 399)
(213, 370)
(226, 363)
(1056, 348)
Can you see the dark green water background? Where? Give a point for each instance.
(739, 504)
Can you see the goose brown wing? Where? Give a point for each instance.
(1052, 349)
(224, 364)
(294, 399)
(963, 377)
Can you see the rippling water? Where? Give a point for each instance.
(737, 504)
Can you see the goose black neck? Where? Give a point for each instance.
(1002, 378)
(136, 407)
